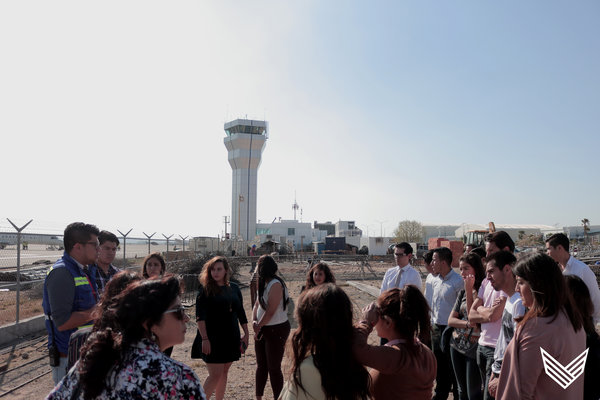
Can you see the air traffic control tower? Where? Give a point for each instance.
(245, 142)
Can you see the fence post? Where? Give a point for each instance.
(18, 263)
(183, 241)
(167, 243)
(124, 244)
(149, 237)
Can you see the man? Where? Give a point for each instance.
(103, 270)
(403, 273)
(487, 310)
(499, 274)
(69, 295)
(428, 290)
(557, 247)
(445, 289)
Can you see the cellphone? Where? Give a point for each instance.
(53, 356)
(243, 346)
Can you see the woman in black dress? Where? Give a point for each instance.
(219, 308)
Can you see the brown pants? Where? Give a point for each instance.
(269, 353)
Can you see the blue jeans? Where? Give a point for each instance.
(467, 375)
(485, 359)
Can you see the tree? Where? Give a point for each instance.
(409, 231)
(586, 228)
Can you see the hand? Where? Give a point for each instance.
(493, 385)
(499, 300)
(371, 314)
(255, 327)
(206, 347)
(469, 283)
(245, 339)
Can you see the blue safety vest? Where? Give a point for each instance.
(84, 299)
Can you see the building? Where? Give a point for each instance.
(297, 235)
(245, 142)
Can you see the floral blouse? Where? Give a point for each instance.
(143, 373)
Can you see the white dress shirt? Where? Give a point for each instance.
(410, 276)
(580, 269)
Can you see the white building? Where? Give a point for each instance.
(296, 234)
(378, 246)
(245, 142)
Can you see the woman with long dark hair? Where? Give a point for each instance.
(404, 368)
(154, 266)
(323, 366)
(115, 286)
(552, 326)
(319, 274)
(271, 326)
(583, 302)
(124, 359)
(463, 342)
(219, 310)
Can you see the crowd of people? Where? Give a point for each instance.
(489, 331)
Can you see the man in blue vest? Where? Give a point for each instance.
(69, 295)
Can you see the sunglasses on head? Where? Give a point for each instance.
(179, 312)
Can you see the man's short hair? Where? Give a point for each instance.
(406, 247)
(445, 254)
(78, 232)
(106, 236)
(501, 239)
(427, 257)
(480, 251)
(559, 238)
(502, 258)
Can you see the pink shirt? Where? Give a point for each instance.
(489, 330)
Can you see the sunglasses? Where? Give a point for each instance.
(179, 312)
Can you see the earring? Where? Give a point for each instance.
(153, 336)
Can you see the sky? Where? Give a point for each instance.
(112, 112)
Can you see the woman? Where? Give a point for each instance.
(219, 310)
(318, 275)
(154, 266)
(583, 302)
(463, 342)
(271, 326)
(124, 360)
(404, 368)
(552, 324)
(323, 366)
(113, 288)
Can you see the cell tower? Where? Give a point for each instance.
(295, 206)
(245, 142)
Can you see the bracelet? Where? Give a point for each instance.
(205, 338)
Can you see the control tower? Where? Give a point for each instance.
(245, 142)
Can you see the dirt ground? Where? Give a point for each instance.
(241, 374)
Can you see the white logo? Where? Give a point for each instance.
(564, 375)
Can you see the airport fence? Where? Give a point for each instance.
(26, 256)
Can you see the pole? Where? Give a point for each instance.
(183, 241)
(149, 237)
(18, 263)
(167, 237)
(124, 244)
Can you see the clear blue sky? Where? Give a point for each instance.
(112, 112)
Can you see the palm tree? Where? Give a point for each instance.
(586, 228)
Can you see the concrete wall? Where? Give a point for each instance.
(13, 333)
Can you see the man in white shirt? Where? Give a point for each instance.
(557, 247)
(403, 273)
(445, 289)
